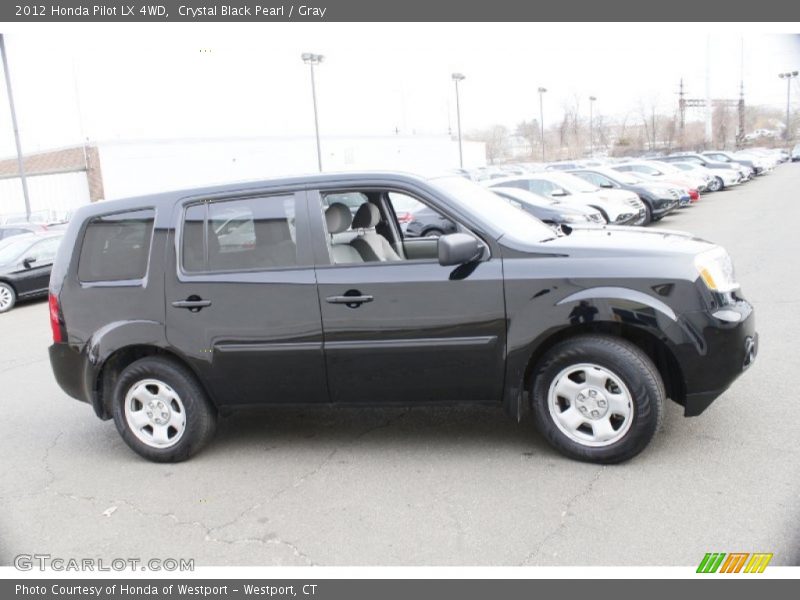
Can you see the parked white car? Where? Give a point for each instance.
(618, 207)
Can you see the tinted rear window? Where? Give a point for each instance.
(116, 247)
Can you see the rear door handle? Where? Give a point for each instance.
(193, 303)
(351, 301)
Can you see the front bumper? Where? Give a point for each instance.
(724, 348)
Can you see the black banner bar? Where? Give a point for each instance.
(130, 11)
(397, 589)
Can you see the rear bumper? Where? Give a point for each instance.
(68, 367)
(728, 349)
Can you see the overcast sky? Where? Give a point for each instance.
(115, 82)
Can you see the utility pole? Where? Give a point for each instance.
(591, 126)
(682, 113)
(740, 109)
(541, 116)
(456, 78)
(311, 60)
(789, 75)
(20, 162)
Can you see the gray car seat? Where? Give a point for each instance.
(338, 219)
(371, 245)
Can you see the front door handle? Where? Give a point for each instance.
(193, 303)
(351, 301)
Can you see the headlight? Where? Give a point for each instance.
(716, 270)
(574, 218)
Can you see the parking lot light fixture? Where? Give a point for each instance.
(456, 78)
(592, 100)
(541, 116)
(788, 75)
(312, 60)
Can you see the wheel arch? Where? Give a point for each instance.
(107, 375)
(654, 347)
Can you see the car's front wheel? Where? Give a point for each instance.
(161, 411)
(8, 297)
(597, 398)
(716, 184)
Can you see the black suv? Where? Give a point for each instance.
(170, 309)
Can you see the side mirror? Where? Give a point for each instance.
(558, 193)
(458, 249)
(28, 261)
(606, 185)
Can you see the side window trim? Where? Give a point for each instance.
(134, 282)
(318, 228)
(304, 258)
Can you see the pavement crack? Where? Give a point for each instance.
(564, 515)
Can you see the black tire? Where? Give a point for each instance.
(648, 214)
(434, 233)
(717, 185)
(627, 362)
(602, 213)
(200, 415)
(8, 297)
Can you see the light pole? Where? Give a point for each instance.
(788, 76)
(591, 125)
(20, 162)
(311, 60)
(456, 78)
(541, 116)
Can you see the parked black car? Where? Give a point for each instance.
(659, 199)
(548, 210)
(427, 222)
(25, 263)
(7, 231)
(160, 326)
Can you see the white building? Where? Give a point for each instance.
(64, 179)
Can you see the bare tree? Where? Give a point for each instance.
(496, 140)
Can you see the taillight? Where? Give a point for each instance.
(405, 217)
(55, 321)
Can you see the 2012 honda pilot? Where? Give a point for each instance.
(168, 310)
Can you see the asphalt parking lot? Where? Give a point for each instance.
(428, 486)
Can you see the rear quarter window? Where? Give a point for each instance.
(116, 247)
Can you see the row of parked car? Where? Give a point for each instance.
(628, 191)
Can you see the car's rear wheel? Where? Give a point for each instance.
(434, 233)
(597, 398)
(8, 297)
(161, 411)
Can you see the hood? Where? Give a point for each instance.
(611, 241)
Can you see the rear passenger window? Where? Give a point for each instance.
(240, 235)
(116, 247)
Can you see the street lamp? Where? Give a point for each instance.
(456, 78)
(311, 60)
(788, 76)
(541, 116)
(591, 126)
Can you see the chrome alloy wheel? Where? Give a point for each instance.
(5, 298)
(590, 405)
(155, 413)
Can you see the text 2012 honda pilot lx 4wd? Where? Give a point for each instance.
(171, 308)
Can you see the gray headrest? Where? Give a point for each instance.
(367, 216)
(338, 217)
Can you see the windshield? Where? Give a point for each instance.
(485, 205)
(571, 183)
(624, 177)
(11, 249)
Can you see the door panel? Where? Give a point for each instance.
(415, 332)
(259, 340)
(424, 337)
